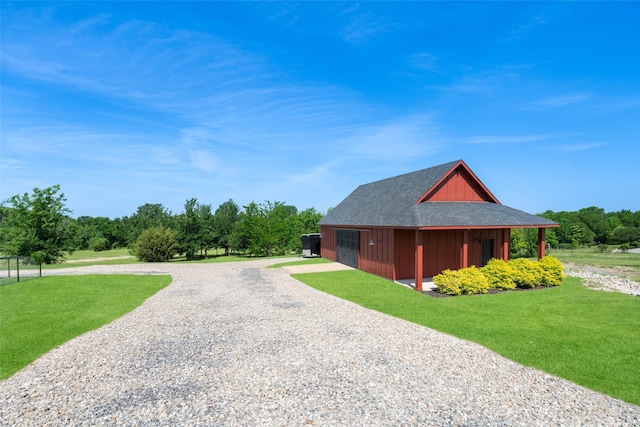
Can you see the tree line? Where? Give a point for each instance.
(40, 224)
(585, 227)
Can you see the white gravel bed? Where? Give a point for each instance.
(604, 282)
(238, 344)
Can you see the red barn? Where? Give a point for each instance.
(417, 224)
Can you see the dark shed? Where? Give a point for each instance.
(311, 245)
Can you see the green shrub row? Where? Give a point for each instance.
(498, 274)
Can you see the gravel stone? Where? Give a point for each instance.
(239, 344)
(603, 280)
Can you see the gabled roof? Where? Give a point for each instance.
(398, 202)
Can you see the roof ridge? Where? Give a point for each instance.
(449, 164)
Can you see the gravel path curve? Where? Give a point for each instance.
(238, 344)
(603, 279)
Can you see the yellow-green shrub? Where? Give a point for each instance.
(468, 281)
(526, 273)
(499, 274)
(473, 281)
(448, 282)
(552, 271)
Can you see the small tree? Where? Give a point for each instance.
(190, 229)
(37, 258)
(225, 220)
(99, 244)
(146, 216)
(156, 244)
(37, 222)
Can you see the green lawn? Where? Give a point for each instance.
(41, 314)
(116, 256)
(589, 337)
(89, 254)
(592, 256)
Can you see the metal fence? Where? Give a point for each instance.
(18, 268)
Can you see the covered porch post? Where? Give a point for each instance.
(504, 245)
(419, 260)
(464, 255)
(541, 242)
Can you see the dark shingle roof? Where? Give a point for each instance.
(391, 202)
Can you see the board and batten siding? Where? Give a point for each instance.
(377, 258)
(328, 242)
(459, 186)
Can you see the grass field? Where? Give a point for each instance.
(122, 256)
(591, 256)
(589, 337)
(89, 254)
(41, 314)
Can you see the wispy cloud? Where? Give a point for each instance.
(528, 23)
(133, 61)
(408, 137)
(424, 61)
(618, 104)
(572, 148)
(291, 101)
(508, 139)
(536, 17)
(491, 81)
(557, 101)
(363, 26)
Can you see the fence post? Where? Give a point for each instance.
(18, 268)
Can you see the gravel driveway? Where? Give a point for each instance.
(238, 344)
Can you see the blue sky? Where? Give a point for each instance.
(127, 103)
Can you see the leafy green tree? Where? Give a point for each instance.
(98, 244)
(595, 220)
(628, 218)
(267, 228)
(87, 230)
(120, 233)
(305, 222)
(195, 229)
(580, 234)
(37, 222)
(189, 229)
(208, 235)
(147, 216)
(551, 237)
(156, 244)
(225, 220)
(628, 235)
(253, 230)
(524, 242)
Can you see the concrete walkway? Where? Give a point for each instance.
(316, 268)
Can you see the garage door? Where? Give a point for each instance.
(347, 247)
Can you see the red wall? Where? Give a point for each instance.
(441, 251)
(392, 254)
(328, 242)
(459, 187)
(404, 254)
(475, 245)
(377, 258)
